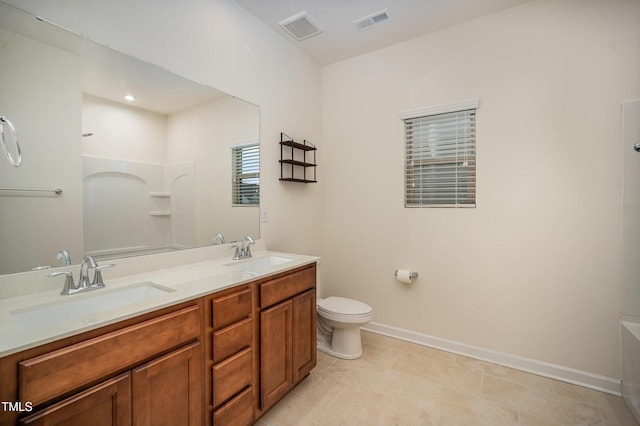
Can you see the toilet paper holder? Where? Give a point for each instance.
(412, 275)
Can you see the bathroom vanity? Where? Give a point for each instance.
(223, 356)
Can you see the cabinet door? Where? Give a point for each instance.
(275, 353)
(168, 390)
(304, 334)
(107, 404)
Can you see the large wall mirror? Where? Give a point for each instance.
(110, 177)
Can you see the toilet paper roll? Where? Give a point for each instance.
(404, 276)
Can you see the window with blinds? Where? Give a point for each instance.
(245, 180)
(440, 158)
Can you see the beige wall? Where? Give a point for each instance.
(34, 226)
(534, 270)
(205, 134)
(123, 132)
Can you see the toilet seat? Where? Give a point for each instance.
(344, 309)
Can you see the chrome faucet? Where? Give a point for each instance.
(64, 256)
(70, 287)
(243, 251)
(218, 239)
(87, 262)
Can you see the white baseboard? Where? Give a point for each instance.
(566, 374)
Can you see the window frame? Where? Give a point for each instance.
(238, 151)
(456, 165)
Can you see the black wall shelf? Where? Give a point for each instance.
(296, 162)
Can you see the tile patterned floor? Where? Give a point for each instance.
(401, 383)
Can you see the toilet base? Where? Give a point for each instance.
(344, 343)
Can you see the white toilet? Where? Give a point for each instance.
(339, 322)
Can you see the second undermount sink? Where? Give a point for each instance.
(81, 305)
(258, 265)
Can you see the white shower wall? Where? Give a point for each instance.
(181, 186)
(140, 201)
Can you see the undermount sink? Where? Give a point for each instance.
(257, 266)
(81, 305)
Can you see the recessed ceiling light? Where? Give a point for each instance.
(130, 97)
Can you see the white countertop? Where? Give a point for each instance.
(188, 281)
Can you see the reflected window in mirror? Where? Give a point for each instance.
(245, 169)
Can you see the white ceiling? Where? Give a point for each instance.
(341, 40)
(109, 74)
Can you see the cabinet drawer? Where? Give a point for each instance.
(55, 373)
(232, 375)
(232, 339)
(237, 412)
(279, 289)
(231, 308)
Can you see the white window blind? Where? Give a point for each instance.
(440, 159)
(245, 169)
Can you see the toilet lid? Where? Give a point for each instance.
(342, 305)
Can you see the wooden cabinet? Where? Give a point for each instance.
(165, 391)
(231, 357)
(146, 371)
(287, 332)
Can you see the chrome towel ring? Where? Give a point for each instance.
(4, 122)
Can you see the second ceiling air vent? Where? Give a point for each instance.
(300, 26)
(372, 20)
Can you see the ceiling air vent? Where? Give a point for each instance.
(300, 26)
(372, 20)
